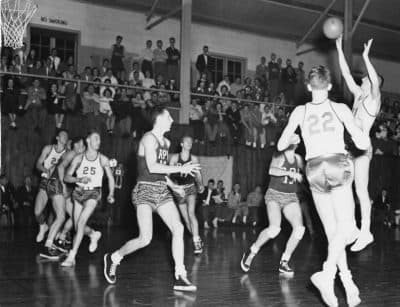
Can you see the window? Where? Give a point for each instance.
(226, 65)
(43, 40)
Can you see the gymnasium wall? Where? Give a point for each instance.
(99, 25)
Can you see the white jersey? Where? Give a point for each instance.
(92, 170)
(52, 159)
(322, 130)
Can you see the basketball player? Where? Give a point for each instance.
(281, 197)
(46, 164)
(367, 104)
(89, 167)
(187, 203)
(152, 194)
(78, 147)
(330, 174)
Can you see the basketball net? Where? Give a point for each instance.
(15, 16)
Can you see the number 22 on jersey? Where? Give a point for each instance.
(320, 124)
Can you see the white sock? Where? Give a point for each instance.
(48, 243)
(180, 271)
(253, 249)
(116, 257)
(196, 238)
(285, 257)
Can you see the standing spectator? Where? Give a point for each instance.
(160, 60)
(117, 56)
(382, 144)
(146, 58)
(105, 109)
(234, 121)
(72, 94)
(55, 60)
(31, 60)
(122, 108)
(109, 75)
(262, 71)
(34, 103)
(258, 131)
(273, 76)
(104, 68)
(289, 82)
(235, 206)
(173, 61)
(246, 119)
(196, 120)
(138, 116)
(7, 205)
(87, 74)
(254, 202)
(25, 198)
(135, 69)
(209, 208)
(210, 120)
(236, 86)
(222, 127)
(55, 104)
(148, 81)
(90, 101)
(300, 87)
(205, 64)
(268, 121)
(10, 102)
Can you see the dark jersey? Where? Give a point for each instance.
(183, 179)
(285, 184)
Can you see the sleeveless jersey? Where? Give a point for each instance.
(91, 169)
(162, 158)
(322, 130)
(285, 184)
(52, 158)
(182, 179)
(363, 118)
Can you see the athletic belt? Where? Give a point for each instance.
(326, 156)
(87, 188)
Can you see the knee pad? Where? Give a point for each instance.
(298, 232)
(273, 231)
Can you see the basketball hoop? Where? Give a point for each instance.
(15, 16)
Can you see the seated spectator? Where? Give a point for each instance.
(171, 86)
(103, 88)
(211, 89)
(109, 76)
(54, 59)
(196, 120)
(122, 108)
(87, 75)
(233, 120)
(203, 78)
(104, 68)
(221, 191)
(25, 198)
(209, 208)
(105, 109)
(236, 86)
(35, 104)
(255, 200)
(222, 127)
(7, 205)
(381, 143)
(159, 80)
(247, 122)
(55, 105)
(138, 114)
(31, 60)
(135, 69)
(96, 73)
(236, 208)
(268, 121)
(10, 102)
(224, 91)
(258, 131)
(72, 94)
(90, 101)
(163, 97)
(225, 82)
(148, 81)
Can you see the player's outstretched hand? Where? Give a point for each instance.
(190, 168)
(339, 42)
(367, 47)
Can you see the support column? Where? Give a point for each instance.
(347, 43)
(186, 23)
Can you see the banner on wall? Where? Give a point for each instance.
(217, 168)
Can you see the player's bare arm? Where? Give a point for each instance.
(287, 134)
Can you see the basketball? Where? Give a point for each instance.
(333, 28)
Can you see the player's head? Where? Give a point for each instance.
(319, 79)
(78, 144)
(161, 118)
(258, 189)
(62, 137)
(93, 140)
(211, 183)
(236, 188)
(187, 142)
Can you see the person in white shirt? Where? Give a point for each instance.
(225, 82)
(55, 60)
(135, 67)
(146, 58)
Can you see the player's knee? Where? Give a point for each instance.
(273, 231)
(298, 232)
(178, 229)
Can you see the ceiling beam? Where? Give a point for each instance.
(360, 15)
(164, 17)
(294, 4)
(151, 12)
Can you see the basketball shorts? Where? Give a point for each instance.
(328, 172)
(54, 187)
(357, 153)
(82, 196)
(283, 199)
(43, 184)
(190, 190)
(153, 194)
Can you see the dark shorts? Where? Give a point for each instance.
(328, 172)
(153, 194)
(283, 199)
(190, 190)
(82, 196)
(43, 184)
(54, 187)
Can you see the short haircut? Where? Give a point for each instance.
(76, 140)
(60, 131)
(205, 46)
(156, 112)
(186, 136)
(172, 38)
(319, 77)
(211, 181)
(119, 37)
(91, 132)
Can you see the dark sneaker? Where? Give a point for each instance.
(285, 268)
(110, 269)
(198, 247)
(183, 284)
(245, 263)
(62, 246)
(50, 253)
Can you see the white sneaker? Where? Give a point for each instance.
(363, 240)
(94, 239)
(43, 228)
(324, 284)
(352, 292)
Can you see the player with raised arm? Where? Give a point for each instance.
(152, 193)
(329, 172)
(89, 168)
(366, 107)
